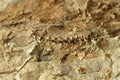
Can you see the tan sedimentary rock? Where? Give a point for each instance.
(59, 40)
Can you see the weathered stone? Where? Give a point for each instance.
(59, 40)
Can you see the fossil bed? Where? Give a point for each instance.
(59, 39)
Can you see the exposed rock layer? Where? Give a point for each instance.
(60, 40)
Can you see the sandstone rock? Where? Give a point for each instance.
(59, 40)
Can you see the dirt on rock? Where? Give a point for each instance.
(60, 40)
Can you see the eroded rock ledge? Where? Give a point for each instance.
(60, 40)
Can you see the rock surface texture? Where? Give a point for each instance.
(59, 39)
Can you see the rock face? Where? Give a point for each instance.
(59, 40)
(5, 3)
